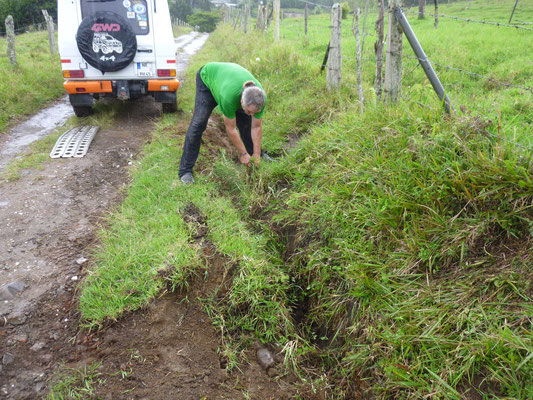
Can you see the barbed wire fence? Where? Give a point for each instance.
(11, 31)
(26, 29)
(467, 72)
(368, 62)
(475, 21)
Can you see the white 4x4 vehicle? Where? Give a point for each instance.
(117, 48)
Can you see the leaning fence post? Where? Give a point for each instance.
(51, 34)
(393, 61)
(424, 62)
(10, 32)
(333, 74)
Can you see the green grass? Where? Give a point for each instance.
(36, 80)
(73, 384)
(180, 30)
(422, 233)
(499, 53)
(149, 245)
(388, 252)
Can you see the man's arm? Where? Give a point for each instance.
(257, 135)
(233, 134)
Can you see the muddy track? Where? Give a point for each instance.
(49, 220)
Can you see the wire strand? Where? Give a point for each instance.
(473, 74)
(475, 21)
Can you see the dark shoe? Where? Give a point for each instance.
(267, 158)
(187, 178)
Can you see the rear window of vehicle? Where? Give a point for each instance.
(133, 11)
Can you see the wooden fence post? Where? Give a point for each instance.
(10, 32)
(276, 19)
(306, 15)
(424, 62)
(333, 74)
(421, 4)
(380, 27)
(357, 14)
(259, 24)
(393, 62)
(246, 8)
(436, 13)
(51, 32)
(514, 8)
(265, 17)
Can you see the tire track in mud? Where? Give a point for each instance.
(170, 349)
(50, 218)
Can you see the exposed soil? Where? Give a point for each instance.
(167, 350)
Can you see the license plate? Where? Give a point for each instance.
(144, 69)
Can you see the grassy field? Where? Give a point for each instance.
(388, 253)
(36, 80)
(500, 54)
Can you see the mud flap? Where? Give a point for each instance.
(165, 97)
(82, 99)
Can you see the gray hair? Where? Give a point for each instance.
(253, 96)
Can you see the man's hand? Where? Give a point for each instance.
(256, 159)
(245, 159)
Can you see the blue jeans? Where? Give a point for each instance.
(204, 104)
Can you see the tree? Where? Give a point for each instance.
(26, 12)
(204, 5)
(180, 9)
(205, 20)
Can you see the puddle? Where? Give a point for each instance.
(188, 45)
(41, 124)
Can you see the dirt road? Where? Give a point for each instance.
(49, 219)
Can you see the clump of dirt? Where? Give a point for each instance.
(216, 138)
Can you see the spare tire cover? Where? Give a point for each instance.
(106, 41)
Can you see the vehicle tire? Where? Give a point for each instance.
(82, 111)
(116, 29)
(169, 107)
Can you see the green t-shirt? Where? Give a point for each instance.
(225, 81)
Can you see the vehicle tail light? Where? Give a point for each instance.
(80, 90)
(65, 61)
(166, 72)
(78, 73)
